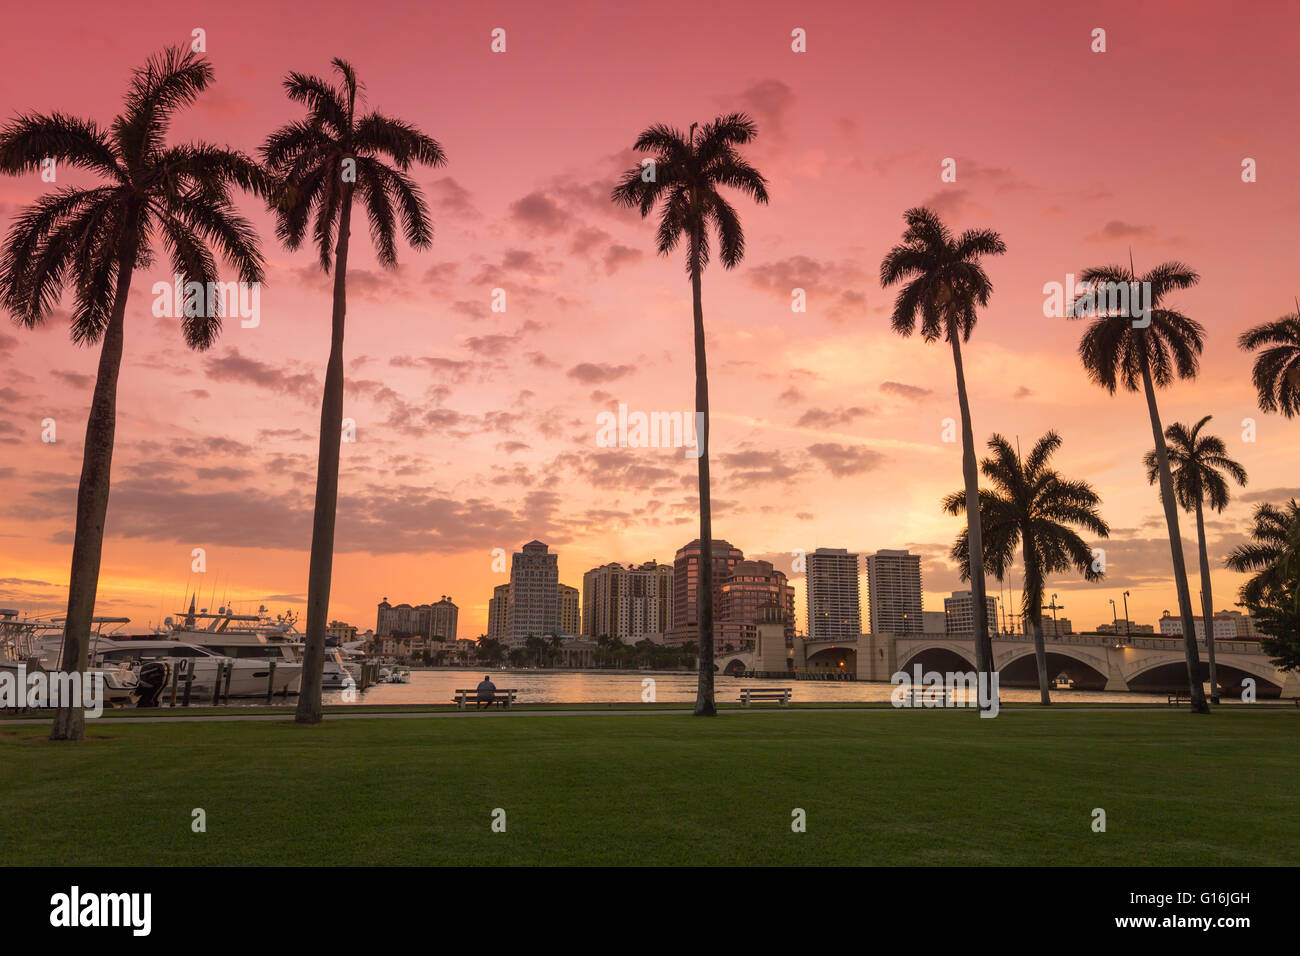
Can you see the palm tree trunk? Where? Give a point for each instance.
(1195, 693)
(92, 498)
(974, 534)
(705, 704)
(1207, 601)
(327, 488)
(1034, 610)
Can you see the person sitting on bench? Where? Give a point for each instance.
(486, 693)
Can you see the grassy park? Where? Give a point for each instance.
(878, 787)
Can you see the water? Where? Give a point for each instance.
(438, 686)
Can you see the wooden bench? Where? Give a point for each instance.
(469, 695)
(779, 694)
(1175, 700)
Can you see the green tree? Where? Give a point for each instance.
(1031, 505)
(944, 284)
(92, 241)
(1123, 347)
(324, 162)
(1199, 462)
(1277, 364)
(1272, 594)
(683, 179)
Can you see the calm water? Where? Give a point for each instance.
(570, 687)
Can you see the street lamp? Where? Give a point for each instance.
(1114, 617)
(1054, 607)
(1128, 623)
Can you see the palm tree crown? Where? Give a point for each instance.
(1032, 507)
(1198, 462)
(1115, 353)
(90, 238)
(1274, 555)
(947, 283)
(313, 155)
(1277, 366)
(684, 177)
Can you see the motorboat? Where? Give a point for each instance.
(249, 675)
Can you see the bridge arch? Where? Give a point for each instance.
(1021, 670)
(940, 656)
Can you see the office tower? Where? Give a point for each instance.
(751, 586)
(631, 603)
(433, 622)
(960, 612)
(570, 623)
(834, 595)
(534, 594)
(686, 583)
(499, 612)
(894, 592)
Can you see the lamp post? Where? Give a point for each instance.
(1054, 607)
(1114, 617)
(1128, 623)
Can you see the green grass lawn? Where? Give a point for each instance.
(927, 787)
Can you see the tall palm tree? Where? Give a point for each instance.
(1277, 367)
(1272, 595)
(1031, 505)
(92, 241)
(684, 179)
(324, 162)
(1148, 354)
(1198, 462)
(945, 283)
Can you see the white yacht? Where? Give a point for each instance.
(249, 675)
(37, 645)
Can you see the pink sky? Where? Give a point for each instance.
(476, 430)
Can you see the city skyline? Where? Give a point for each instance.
(477, 430)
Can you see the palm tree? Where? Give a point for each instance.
(1147, 354)
(1197, 461)
(1277, 368)
(1272, 595)
(944, 284)
(92, 240)
(324, 161)
(683, 179)
(1031, 505)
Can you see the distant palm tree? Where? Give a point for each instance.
(1149, 354)
(1274, 555)
(1277, 368)
(683, 178)
(1197, 461)
(1031, 505)
(1272, 595)
(324, 161)
(92, 240)
(945, 284)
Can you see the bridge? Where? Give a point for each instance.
(1092, 661)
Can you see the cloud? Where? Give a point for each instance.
(234, 367)
(843, 460)
(589, 373)
(830, 418)
(452, 199)
(75, 379)
(538, 213)
(913, 392)
(1116, 230)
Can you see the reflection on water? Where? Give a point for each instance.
(438, 686)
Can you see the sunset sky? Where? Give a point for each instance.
(477, 430)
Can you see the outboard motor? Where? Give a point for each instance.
(154, 676)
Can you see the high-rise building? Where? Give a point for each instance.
(751, 586)
(686, 583)
(894, 592)
(630, 603)
(1228, 626)
(570, 622)
(499, 612)
(834, 595)
(534, 594)
(960, 611)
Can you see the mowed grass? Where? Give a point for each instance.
(878, 787)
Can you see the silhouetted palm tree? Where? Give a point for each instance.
(1163, 345)
(324, 161)
(1272, 595)
(1031, 505)
(92, 241)
(945, 284)
(686, 172)
(1277, 367)
(1197, 461)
